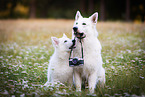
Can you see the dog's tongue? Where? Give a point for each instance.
(79, 35)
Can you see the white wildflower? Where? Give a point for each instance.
(22, 95)
(112, 67)
(129, 51)
(1, 57)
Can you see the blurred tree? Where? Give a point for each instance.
(91, 6)
(13, 5)
(83, 6)
(108, 9)
(102, 10)
(32, 8)
(44, 6)
(3, 8)
(137, 10)
(127, 10)
(7, 8)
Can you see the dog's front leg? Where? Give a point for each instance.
(92, 82)
(78, 80)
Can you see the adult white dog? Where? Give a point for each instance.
(58, 69)
(92, 69)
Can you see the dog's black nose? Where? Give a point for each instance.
(75, 29)
(81, 34)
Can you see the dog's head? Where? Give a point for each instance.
(84, 27)
(62, 44)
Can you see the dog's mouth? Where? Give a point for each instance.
(78, 34)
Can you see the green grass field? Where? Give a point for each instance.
(25, 49)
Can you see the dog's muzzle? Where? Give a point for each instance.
(79, 35)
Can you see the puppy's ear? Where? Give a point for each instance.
(64, 35)
(55, 41)
(94, 17)
(78, 15)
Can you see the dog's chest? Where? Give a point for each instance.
(92, 54)
(86, 69)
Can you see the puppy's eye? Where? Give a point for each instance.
(83, 23)
(76, 23)
(65, 41)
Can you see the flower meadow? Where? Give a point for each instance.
(25, 50)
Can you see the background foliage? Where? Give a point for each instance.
(108, 9)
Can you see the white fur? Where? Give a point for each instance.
(92, 69)
(58, 69)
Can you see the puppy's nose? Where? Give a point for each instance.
(75, 29)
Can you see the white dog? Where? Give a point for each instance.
(58, 69)
(92, 69)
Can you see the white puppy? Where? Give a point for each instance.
(92, 69)
(58, 69)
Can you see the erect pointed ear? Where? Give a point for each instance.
(64, 35)
(94, 17)
(55, 41)
(78, 15)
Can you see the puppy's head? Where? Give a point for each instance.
(62, 44)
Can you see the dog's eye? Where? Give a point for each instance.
(76, 23)
(65, 41)
(83, 23)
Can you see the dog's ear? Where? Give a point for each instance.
(78, 15)
(94, 17)
(64, 35)
(55, 41)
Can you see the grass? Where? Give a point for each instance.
(25, 49)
